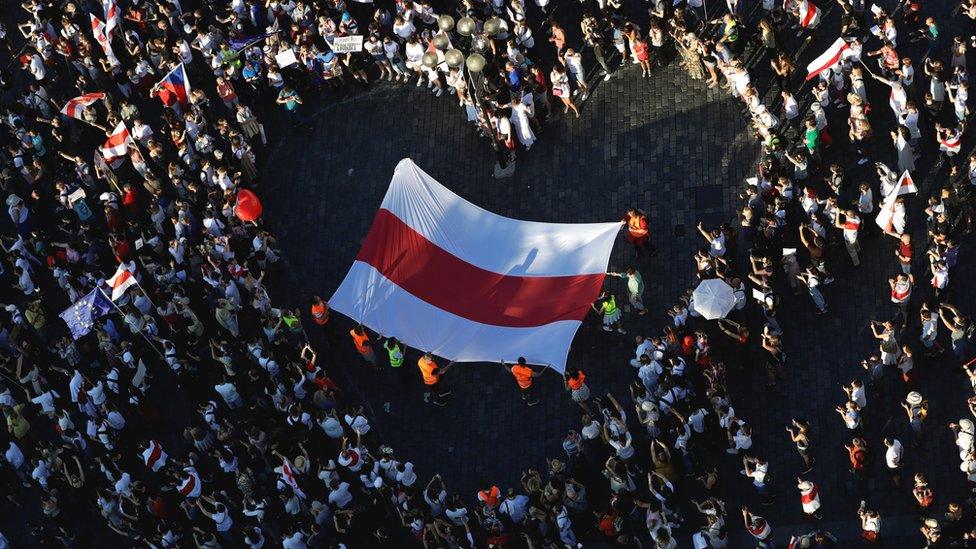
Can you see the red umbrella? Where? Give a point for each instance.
(248, 207)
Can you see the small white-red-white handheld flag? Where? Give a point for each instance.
(906, 185)
(828, 59)
(121, 281)
(809, 14)
(116, 147)
(74, 107)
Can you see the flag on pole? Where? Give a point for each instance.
(809, 14)
(238, 44)
(174, 87)
(446, 276)
(113, 16)
(116, 147)
(121, 281)
(905, 185)
(828, 59)
(74, 107)
(81, 316)
(101, 36)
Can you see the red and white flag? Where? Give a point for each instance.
(886, 215)
(103, 38)
(74, 107)
(445, 276)
(906, 185)
(154, 456)
(828, 59)
(113, 16)
(809, 14)
(116, 147)
(121, 281)
(951, 144)
(287, 473)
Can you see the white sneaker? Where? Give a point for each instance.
(420, 82)
(430, 84)
(439, 93)
(621, 331)
(607, 77)
(607, 329)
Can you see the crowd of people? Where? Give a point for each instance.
(181, 92)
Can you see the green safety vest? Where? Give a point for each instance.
(610, 306)
(396, 355)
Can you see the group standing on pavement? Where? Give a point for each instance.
(273, 452)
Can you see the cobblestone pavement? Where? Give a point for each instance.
(679, 151)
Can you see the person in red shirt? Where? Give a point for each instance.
(858, 453)
(637, 234)
(227, 93)
(523, 376)
(904, 253)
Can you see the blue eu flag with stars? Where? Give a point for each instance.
(81, 316)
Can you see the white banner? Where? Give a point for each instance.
(347, 44)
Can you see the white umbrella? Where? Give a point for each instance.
(713, 298)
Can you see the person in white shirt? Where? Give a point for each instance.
(339, 495)
(893, 459)
(855, 392)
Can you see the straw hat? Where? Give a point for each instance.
(914, 398)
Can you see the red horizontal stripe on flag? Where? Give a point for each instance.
(431, 274)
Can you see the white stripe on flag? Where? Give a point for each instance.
(493, 242)
(427, 328)
(828, 59)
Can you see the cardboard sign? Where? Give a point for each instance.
(347, 44)
(286, 58)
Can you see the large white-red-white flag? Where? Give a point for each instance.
(121, 280)
(74, 107)
(828, 59)
(448, 277)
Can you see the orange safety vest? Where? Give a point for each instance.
(427, 366)
(637, 225)
(575, 383)
(361, 341)
(523, 375)
(320, 313)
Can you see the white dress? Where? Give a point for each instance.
(520, 120)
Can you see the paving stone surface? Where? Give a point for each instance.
(681, 152)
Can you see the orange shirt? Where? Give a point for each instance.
(523, 375)
(490, 496)
(637, 225)
(361, 341)
(576, 382)
(320, 313)
(427, 366)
